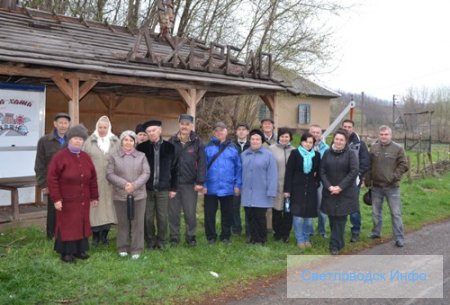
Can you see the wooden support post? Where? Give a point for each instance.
(74, 103)
(74, 93)
(15, 203)
(191, 97)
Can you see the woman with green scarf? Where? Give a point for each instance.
(300, 185)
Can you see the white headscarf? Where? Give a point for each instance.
(104, 143)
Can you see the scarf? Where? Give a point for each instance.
(104, 143)
(73, 149)
(307, 158)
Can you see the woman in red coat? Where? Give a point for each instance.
(72, 184)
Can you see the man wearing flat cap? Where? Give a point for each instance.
(190, 154)
(161, 185)
(47, 147)
(268, 127)
(223, 182)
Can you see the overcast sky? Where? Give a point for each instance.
(388, 46)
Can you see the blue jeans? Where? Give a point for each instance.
(392, 195)
(302, 229)
(355, 218)
(322, 218)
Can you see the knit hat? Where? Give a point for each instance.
(77, 131)
(258, 132)
(129, 133)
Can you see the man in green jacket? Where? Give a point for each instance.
(47, 147)
(387, 165)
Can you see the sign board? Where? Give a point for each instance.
(22, 123)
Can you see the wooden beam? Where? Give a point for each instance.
(86, 87)
(191, 97)
(74, 103)
(63, 86)
(152, 80)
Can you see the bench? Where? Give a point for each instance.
(13, 185)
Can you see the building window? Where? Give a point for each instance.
(304, 114)
(264, 111)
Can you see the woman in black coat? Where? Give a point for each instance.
(300, 184)
(338, 171)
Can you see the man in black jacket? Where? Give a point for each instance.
(190, 153)
(161, 185)
(242, 143)
(360, 149)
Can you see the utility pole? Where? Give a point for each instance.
(393, 111)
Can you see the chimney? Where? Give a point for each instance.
(8, 4)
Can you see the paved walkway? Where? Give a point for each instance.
(431, 240)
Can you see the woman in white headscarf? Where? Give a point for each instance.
(100, 145)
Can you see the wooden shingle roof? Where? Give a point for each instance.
(40, 39)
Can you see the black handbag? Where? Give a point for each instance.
(367, 197)
(130, 207)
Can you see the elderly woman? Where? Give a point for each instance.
(281, 219)
(338, 170)
(72, 185)
(300, 185)
(99, 146)
(259, 186)
(128, 171)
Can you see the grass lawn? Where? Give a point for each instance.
(32, 273)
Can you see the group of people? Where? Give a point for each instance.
(142, 182)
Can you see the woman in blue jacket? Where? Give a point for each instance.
(223, 181)
(259, 185)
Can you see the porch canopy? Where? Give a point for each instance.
(80, 56)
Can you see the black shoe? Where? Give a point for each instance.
(104, 236)
(211, 241)
(226, 241)
(236, 232)
(67, 258)
(276, 237)
(95, 239)
(191, 241)
(399, 243)
(285, 239)
(374, 236)
(82, 255)
(174, 242)
(161, 246)
(334, 251)
(355, 238)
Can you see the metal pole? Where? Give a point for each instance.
(362, 113)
